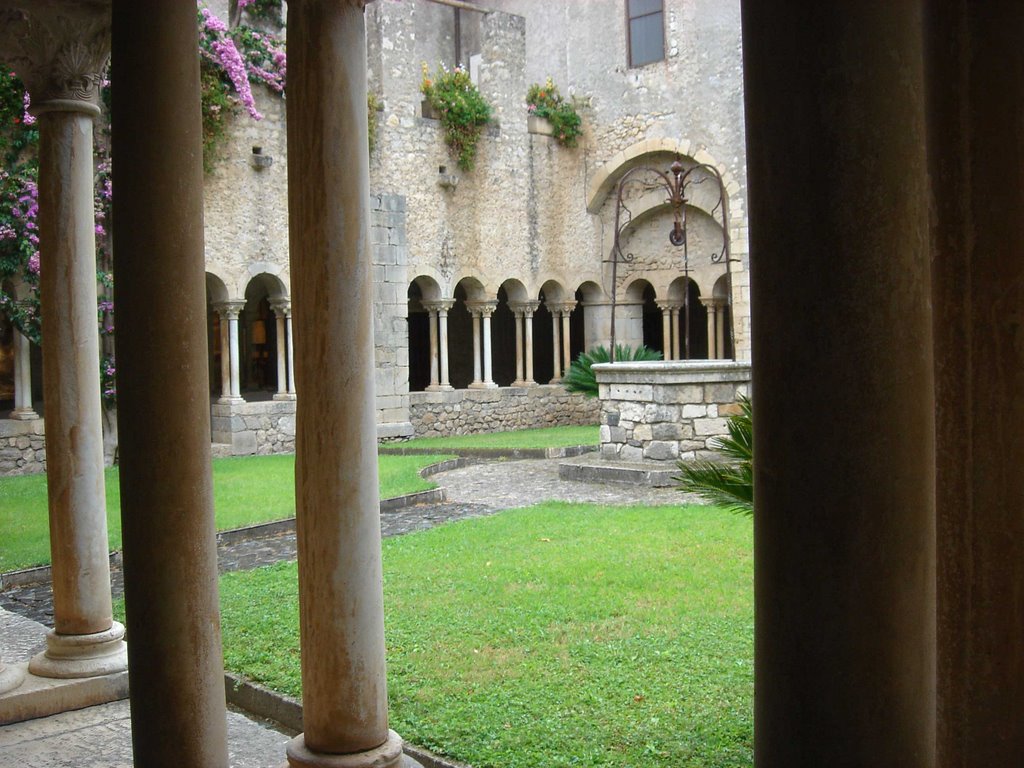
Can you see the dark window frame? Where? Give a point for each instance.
(629, 34)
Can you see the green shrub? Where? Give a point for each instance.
(464, 112)
(729, 485)
(580, 376)
(545, 101)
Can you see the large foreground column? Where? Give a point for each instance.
(975, 67)
(844, 524)
(341, 613)
(64, 85)
(170, 554)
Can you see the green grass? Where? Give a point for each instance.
(545, 437)
(246, 490)
(560, 635)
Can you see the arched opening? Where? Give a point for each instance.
(723, 319)
(503, 342)
(460, 332)
(258, 339)
(692, 323)
(216, 295)
(653, 336)
(7, 352)
(578, 326)
(418, 338)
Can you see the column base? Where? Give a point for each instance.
(229, 400)
(476, 385)
(523, 383)
(490, 385)
(284, 396)
(10, 678)
(24, 414)
(69, 656)
(387, 755)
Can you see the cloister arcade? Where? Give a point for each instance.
(511, 335)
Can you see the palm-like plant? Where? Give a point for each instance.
(729, 485)
(580, 376)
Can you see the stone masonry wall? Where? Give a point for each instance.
(22, 447)
(390, 312)
(468, 411)
(667, 411)
(259, 428)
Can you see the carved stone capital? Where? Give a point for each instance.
(229, 310)
(59, 50)
(482, 308)
(281, 307)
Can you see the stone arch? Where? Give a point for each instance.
(217, 296)
(423, 289)
(274, 276)
(604, 180)
(460, 330)
(723, 335)
(690, 323)
(503, 331)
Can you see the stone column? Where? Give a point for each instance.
(341, 615)
(529, 307)
(280, 309)
(666, 330)
(233, 309)
(484, 309)
(474, 315)
(566, 311)
(714, 351)
(291, 347)
(556, 344)
(432, 308)
(225, 353)
(844, 540)
(974, 59)
(518, 312)
(63, 77)
(23, 410)
(170, 552)
(442, 319)
(676, 332)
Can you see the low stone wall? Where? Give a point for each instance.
(261, 428)
(667, 411)
(22, 447)
(467, 411)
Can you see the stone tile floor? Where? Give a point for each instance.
(101, 736)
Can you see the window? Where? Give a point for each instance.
(646, 19)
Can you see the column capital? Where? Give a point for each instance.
(669, 305)
(563, 307)
(60, 51)
(229, 309)
(713, 302)
(438, 305)
(281, 307)
(524, 308)
(482, 308)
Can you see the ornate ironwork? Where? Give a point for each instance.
(639, 181)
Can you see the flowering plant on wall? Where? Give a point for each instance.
(463, 111)
(545, 101)
(229, 60)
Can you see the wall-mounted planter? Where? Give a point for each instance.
(539, 125)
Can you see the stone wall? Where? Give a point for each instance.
(390, 312)
(468, 411)
(667, 411)
(244, 429)
(22, 447)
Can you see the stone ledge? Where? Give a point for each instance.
(655, 474)
(673, 372)
(43, 696)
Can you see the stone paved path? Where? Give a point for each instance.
(472, 491)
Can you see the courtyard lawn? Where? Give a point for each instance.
(544, 437)
(558, 635)
(247, 490)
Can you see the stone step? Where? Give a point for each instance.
(592, 469)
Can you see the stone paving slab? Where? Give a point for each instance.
(100, 737)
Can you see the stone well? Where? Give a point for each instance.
(667, 411)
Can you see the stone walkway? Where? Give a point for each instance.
(101, 736)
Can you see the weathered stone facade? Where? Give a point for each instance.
(667, 411)
(515, 252)
(466, 411)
